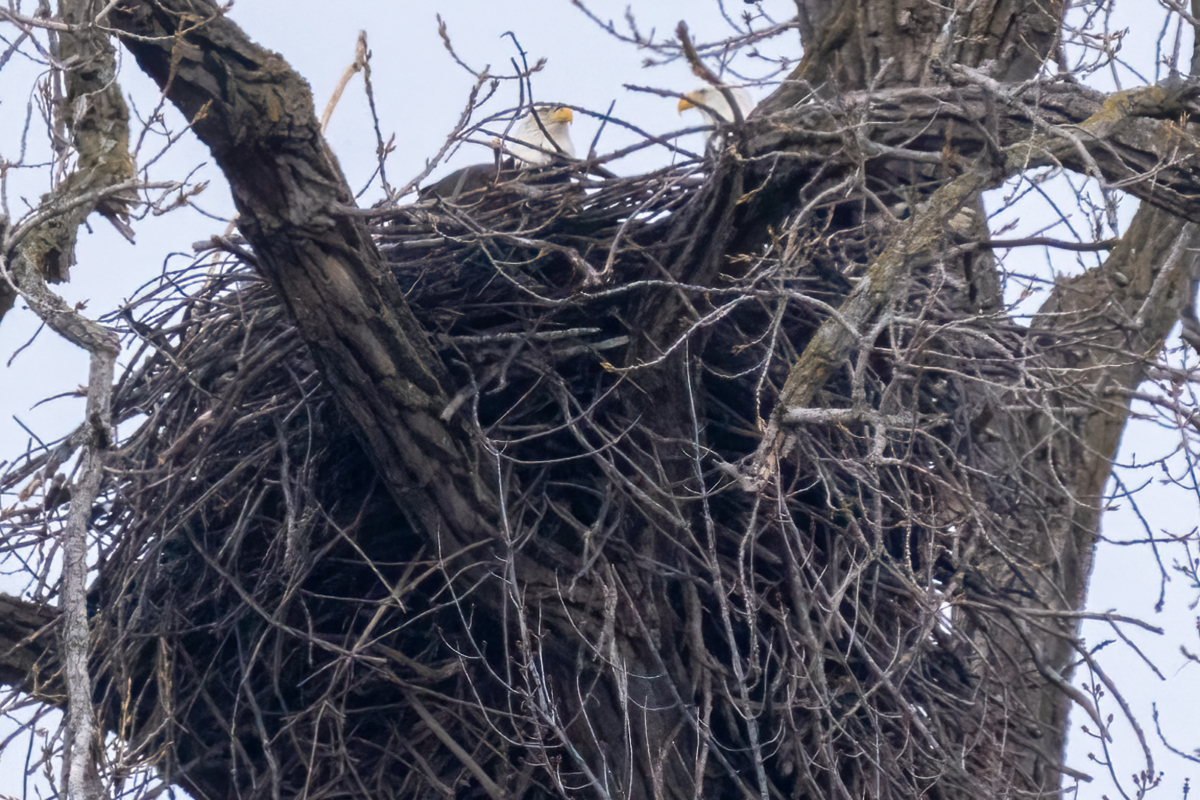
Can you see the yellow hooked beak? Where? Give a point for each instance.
(689, 100)
(560, 114)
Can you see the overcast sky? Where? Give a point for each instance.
(420, 93)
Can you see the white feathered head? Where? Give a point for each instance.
(711, 101)
(528, 143)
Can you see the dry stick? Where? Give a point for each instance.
(735, 656)
(1046, 241)
(1096, 670)
(360, 63)
(25, 24)
(57, 206)
(382, 149)
(485, 781)
(82, 781)
(836, 338)
(453, 137)
(701, 71)
(1154, 707)
(102, 343)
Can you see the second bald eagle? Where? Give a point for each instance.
(711, 101)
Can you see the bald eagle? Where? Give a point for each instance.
(528, 142)
(711, 101)
(527, 145)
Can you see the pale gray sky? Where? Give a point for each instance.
(420, 92)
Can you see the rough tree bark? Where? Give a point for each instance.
(93, 121)
(943, 105)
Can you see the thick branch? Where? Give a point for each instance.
(256, 115)
(1131, 140)
(841, 335)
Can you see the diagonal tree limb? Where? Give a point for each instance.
(840, 335)
(256, 115)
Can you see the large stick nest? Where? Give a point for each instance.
(269, 624)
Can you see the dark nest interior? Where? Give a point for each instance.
(652, 622)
